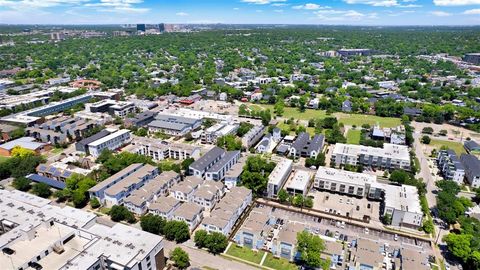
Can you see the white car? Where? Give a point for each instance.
(395, 237)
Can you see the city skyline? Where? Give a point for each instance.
(336, 12)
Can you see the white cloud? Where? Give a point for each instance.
(119, 6)
(472, 11)
(334, 15)
(440, 13)
(279, 4)
(456, 2)
(236, 8)
(34, 4)
(182, 14)
(375, 3)
(262, 2)
(278, 10)
(308, 6)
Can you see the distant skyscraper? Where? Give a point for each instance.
(161, 27)
(141, 27)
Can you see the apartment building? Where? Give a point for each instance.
(112, 142)
(141, 119)
(184, 190)
(253, 136)
(218, 170)
(299, 183)
(278, 176)
(251, 233)
(208, 194)
(211, 134)
(173, 125)
(69, 238)
(160, 150)
(450, 166)
(304, 146)
(471, 165)
(98, 191)
(140, 199)
(205, 162)
(116, 194)
(115, 108)
(226, 213)
(391, 156)
(190, 213)
(60, 130)
(401, 202)
(82, 146)
(164, 207)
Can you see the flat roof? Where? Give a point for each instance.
(388, 151)
(24, 142)
(109, 137)
(336, 175)
(299, 180)
(283, 167)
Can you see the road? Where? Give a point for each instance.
(425, 171)
(201, 258)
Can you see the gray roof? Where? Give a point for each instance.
(203, 162)
(471, 145)
(316, 143)
(225, 159)
(471, 163)
(301, 140)
(455, 161)
(25, 142)
(168, 125)
(176, 119)
(94, 137)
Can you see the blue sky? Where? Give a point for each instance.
(352, 12)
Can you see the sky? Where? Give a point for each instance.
(332, 12)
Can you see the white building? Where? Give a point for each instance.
(211, 134)
(253, 136)
(39, 235)
(278, 176)
(190, 213)
(111, 142)
(450, 166)
(391, 156)
(160, 150)
(345, 182)
(299, 182)
(403, 205)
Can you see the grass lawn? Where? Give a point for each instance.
(360, 119)
(245, 253)
(278, 263)
(57, 150)
(455, 146)
(353, 136)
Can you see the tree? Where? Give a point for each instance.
(19, 151)
(186, 164)
(152, 223)
(216, 242)
(176, 230)
(119, 213)
(426, 139)
(310, 247)
(279, 108)
(229, 142)
(21, 183)
(387, 219)
(243, 128)
(459, 245)
(282, 196)
(94, 203)
(427, 130)
(180, 258)
(200, 238)
(41, 190)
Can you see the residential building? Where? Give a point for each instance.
(184, 190)
(472, 147)
(116, 193)
(140, 199)
(471, 165)
(211, 134)
(141, 119)
(278, 176)
(82, 146)
(226, 213)
(112, 142)
(173, 125)
(303, 146)
(253, 136)
(401, 202)
(160, 150)
(391, 156)
(98, 191)
(257, 224)
(218, 170)
(473, 58)
(61, 129)
(24, 142)
(347, 106)
(164, 207)
(113, 107)
(232, 177)
(450, 166)
(285, 244)
(190, 213)
(59, 171)
(68, 238)
(208, 194)
(299, 183)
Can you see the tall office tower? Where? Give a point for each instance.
(141, 27)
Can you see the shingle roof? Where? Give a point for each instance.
(203, 162)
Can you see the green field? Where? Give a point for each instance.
(345, 118)
(284, 126)
(245, 253)
(455, 146)
(3, 159)
(278, 263)
(360, 119)
(353, 136)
